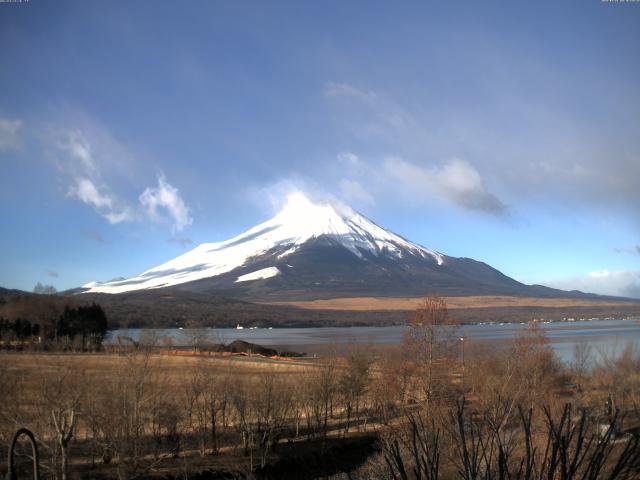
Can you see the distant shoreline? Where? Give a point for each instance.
(496, 323)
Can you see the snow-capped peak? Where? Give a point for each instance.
(299, 221)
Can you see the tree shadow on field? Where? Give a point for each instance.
(320, 458)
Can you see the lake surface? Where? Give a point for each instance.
(608, 336)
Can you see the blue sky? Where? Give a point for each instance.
(503, 131)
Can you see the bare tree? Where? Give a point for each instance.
(298, 401)
(207, 397)
(354, 381)
(321, 390)
(126, 403)
(270, 407)
(430, 343)
(199, 337)
(581, 362)
(536, 368)
(414, 451)
(239, 395)
(65, 424)
(565, 447)
(44, 289)
(617, 377)
(62, 392)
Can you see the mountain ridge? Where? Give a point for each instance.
(299, 222)
(321, 250)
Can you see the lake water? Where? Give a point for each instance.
(608, 336)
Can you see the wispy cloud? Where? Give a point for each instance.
(85, 191)
(91, 159)
(456, 180)
(77, 159)
(532, 150)
(77, 146)
(9, 136)
(383, 116)
(411, 167)
(165, 200)
(337, 89)
(51, 273)
(349, 158)
(362, 182)
(353, 192)
(115, 217)
(635, 250)
(273, 197)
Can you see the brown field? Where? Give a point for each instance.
(411, 303)
(173, 366)
(153, 414)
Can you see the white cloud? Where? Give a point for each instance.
(623, 283)
(457, 181)
(364, 182)
(80, 162)
(385, 115)
(336, 89)
(353, 191)
(85, 191)
(581, 163)
(381, 121)
(272, 197)
(78, 148)
(165, 197)
(349, 158)
(600, 274)
(94, 163)
(9, 138)
(114, 217)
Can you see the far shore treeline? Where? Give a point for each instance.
(168, 308)
(80, 328)
(51, 322)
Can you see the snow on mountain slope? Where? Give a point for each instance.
(298, 222)
(259, 274)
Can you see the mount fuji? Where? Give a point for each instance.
(313, 250)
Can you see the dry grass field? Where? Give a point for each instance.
(152, 415)
(153, 412)
(411, 303)
(172, 367)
